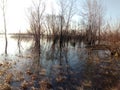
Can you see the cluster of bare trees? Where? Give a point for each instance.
(60, 24)
(92, 20)
(111, 33)
(51, 24)
(57, 23)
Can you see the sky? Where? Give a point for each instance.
(112, 9)
(17, 11)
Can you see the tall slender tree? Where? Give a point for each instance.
(3, 6)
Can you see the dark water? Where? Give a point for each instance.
(70, 67)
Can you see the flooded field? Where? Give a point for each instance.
(71, 66)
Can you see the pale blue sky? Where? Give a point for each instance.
(112, 9)
(17, 12)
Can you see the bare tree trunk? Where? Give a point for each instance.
(4, 20)
(19, 42)
(61, 28)
(6, 41)
(99, 36)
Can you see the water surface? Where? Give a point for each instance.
(70, 67)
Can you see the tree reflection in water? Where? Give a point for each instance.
(62, 66)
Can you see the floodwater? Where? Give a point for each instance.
(70, 67)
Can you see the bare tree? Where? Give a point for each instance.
(36, 21)
(67, 11)
(52, 20)
(93, 18)
(53, 24)
(3, 6)
(61, 14)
